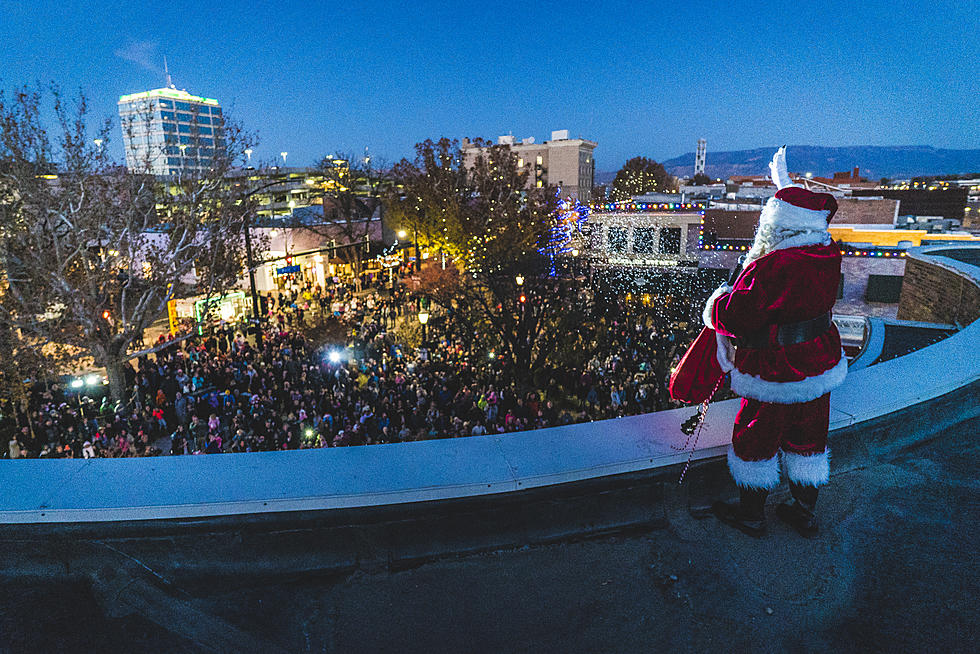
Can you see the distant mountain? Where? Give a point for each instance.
(894, 162)
(606, 177)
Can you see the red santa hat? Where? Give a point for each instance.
(794, 207)
(798, 209)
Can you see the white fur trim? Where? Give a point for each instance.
(753, 474)
(807, 469)
(803, 240)
(708, 315)
(793, 392)
(791, 217)
(721, 353)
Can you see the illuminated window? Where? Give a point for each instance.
(670, 240)
(644, 240)
(540, 160)
(539, 183)
(520, 162)
(618, 239)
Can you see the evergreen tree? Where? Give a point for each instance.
(641, 175)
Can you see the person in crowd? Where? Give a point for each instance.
(221, 393)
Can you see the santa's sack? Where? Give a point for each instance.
(698, 373)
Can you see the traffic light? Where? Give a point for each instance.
(522, 299)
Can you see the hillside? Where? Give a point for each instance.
(875, 161)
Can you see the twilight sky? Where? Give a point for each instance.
(640, 78)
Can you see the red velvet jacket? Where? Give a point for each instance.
(788, 285)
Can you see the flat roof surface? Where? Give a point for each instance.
(173, 94)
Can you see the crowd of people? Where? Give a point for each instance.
(226, 392)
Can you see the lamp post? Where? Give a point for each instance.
(423, 318)
(256, 321)
(402, 234)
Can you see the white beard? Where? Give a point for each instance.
(767, 237)
(771, 233)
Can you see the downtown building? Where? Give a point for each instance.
(169, 131)
(561, 162)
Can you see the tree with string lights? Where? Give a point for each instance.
(502, 237)
(641, 175)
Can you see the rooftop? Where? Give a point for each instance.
(173, 94)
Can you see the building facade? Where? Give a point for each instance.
(170, 132)
(562, 162)
(645, 238)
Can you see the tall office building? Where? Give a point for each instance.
(170, 132)
(562, 161)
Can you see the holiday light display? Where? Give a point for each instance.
(568, 220)
(622, 207)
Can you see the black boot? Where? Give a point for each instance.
(748, 515)
(799, 513)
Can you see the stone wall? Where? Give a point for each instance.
(934, 293)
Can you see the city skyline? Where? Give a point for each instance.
(317, 81)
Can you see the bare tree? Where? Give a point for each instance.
(92, 252)
(350, 192)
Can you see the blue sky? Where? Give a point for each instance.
(639, 78)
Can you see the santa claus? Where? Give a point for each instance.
(776, 337)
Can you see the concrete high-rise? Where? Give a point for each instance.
(169, 131)
(562, 162)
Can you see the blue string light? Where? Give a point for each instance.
(567, 220)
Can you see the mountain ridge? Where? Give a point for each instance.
(874, 161)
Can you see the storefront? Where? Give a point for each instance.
(187, 312)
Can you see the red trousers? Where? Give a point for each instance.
(762, 429)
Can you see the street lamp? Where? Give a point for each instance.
(256, 319)
(248, 153)
(520, 280)
(423, 318)
(283, 155)
(402, 233)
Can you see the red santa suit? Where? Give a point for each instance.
(788, 352)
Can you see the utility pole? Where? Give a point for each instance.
(256, 321)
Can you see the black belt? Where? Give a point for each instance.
(788, 334)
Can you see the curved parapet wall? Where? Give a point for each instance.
(940, 285)
(937, 382)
